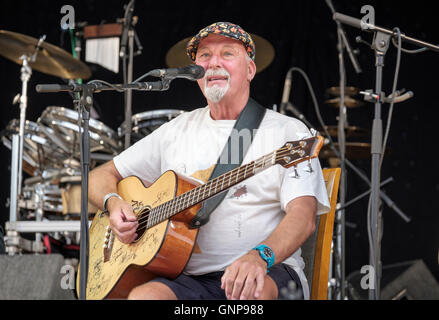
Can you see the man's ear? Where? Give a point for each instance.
(251, 70)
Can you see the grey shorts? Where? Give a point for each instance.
(208, 286)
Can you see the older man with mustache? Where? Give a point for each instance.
(250, 248)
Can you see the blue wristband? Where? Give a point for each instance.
(267, 254)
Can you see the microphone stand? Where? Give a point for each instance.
(340, 258)
(340, 218)
(128, 32)
(380, 45)
(84, 101)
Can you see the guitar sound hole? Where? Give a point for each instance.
(142, 218)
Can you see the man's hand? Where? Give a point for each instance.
(244, 278)
(123, 222)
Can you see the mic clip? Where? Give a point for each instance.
(400, 96)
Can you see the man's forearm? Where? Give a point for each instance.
(102, 180)
(297, 225)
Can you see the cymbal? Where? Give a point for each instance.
(176, 56)
(348, 102)
(354, 151)
(348, 91)
(50, 59)
(350, 131)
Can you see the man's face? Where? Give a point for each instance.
(228, 68)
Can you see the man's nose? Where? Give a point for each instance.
(214, 62)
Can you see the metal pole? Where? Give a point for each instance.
(129, 93)
(340, 217)
(14, 179)
(380, 45)
(26, 72)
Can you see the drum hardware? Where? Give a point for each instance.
(176, 56)
(350, 131)
(348, 102)
(64, 123)
(36, 146)
(348, 91)
(29, 143)
(47, 58)
(146, 122)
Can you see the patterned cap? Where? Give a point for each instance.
(226, 29)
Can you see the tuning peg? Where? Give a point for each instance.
(294, 174)
(310, 170)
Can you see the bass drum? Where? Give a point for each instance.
(142, 124)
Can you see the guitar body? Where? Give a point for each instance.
(162, 250)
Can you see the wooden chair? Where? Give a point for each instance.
(316, 251)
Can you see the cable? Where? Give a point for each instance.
(395, 81)
(316, 108)
(407, 50)
(107, 84)
(144, 76)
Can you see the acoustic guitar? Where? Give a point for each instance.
(164, 211)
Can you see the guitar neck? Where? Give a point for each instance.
(210, 189)
(290, 154)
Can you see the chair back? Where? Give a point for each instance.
(316, 251)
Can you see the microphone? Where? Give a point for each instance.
(286, 105)
(129, 9)
(191, 72)
(286, 93)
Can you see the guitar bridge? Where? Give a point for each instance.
(108, 243)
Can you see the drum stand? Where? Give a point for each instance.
(17, 148)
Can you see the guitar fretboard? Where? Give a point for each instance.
(209, 189)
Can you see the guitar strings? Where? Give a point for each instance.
(144, 218)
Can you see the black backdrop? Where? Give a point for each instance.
(303, 35)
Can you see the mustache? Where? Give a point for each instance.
(216, 72)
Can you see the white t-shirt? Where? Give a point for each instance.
(252, 209)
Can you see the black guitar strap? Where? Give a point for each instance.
(249, 119)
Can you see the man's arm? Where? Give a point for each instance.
(103, 180)
(247, 274)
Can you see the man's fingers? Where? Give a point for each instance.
(125, 237)
(259, 284)
(229, 278)
(239, 284)
(250, 283)
(128, 213)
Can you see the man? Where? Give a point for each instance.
(262, 222)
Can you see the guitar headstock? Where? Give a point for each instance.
(294, 152)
